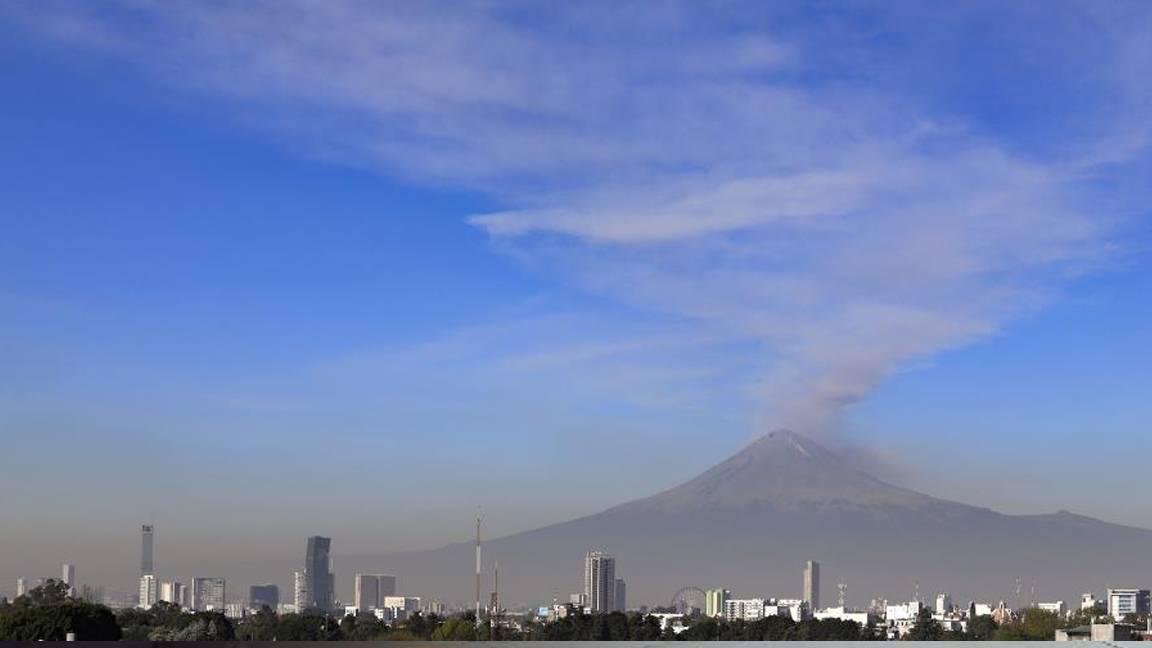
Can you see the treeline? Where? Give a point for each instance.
(48, 613)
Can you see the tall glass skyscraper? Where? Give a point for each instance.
(208, 594)
(318, 573)
(600, 581)
(146, 550)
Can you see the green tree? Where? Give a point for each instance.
(310, 626)
(1085, 617)
(367, 627)
(455, 629)
(926, 628)
(54, 620)
(1034, 625)
(772, 628)
(52, 591)
(612, 626)
(643, 627)
(261, 626)
(1040, 625)
(704, 630)
(422, 626)
(982, 627)
(136, 624)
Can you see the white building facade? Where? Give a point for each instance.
(149, 591)
(600, 581)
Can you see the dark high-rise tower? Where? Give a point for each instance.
(146, 550)
(318, 573)
(264, 595)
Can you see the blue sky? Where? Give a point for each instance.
(456, 255)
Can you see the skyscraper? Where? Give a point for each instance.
(264, 595)
(600, 581)
(173, 592)
(372, 588)
(318, 573)
(146, 550)
(301, 595)
(208, 594)
(714, 602)
(812, 585)
(620, 601)
(367, 594)
(68, 577)
(149, 591)
(21, 587)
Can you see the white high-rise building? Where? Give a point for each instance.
(21, 587)
(812, 585)
(301, 595)
(68, 576)
(600, 581)
(208, 594)
(149, 591)
(174, 592)
(714, 601)
(743, 609)
(943, 603)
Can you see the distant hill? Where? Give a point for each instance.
(750, 522)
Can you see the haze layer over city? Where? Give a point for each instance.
(600, 273)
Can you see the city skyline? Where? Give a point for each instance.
(376, 592)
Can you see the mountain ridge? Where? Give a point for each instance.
(784, 470)
(750, 522)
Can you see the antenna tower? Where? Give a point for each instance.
(477, 571)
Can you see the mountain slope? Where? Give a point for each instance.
(786, 471)
(750, 522)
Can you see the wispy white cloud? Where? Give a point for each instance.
(747, 181)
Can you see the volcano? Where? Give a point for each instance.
(783, 471)
(749, 523)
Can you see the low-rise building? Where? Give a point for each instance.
(795, 609)
(902, 612)
(843, 614)
(1096, 632)
(670, 620)
(744, 609)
